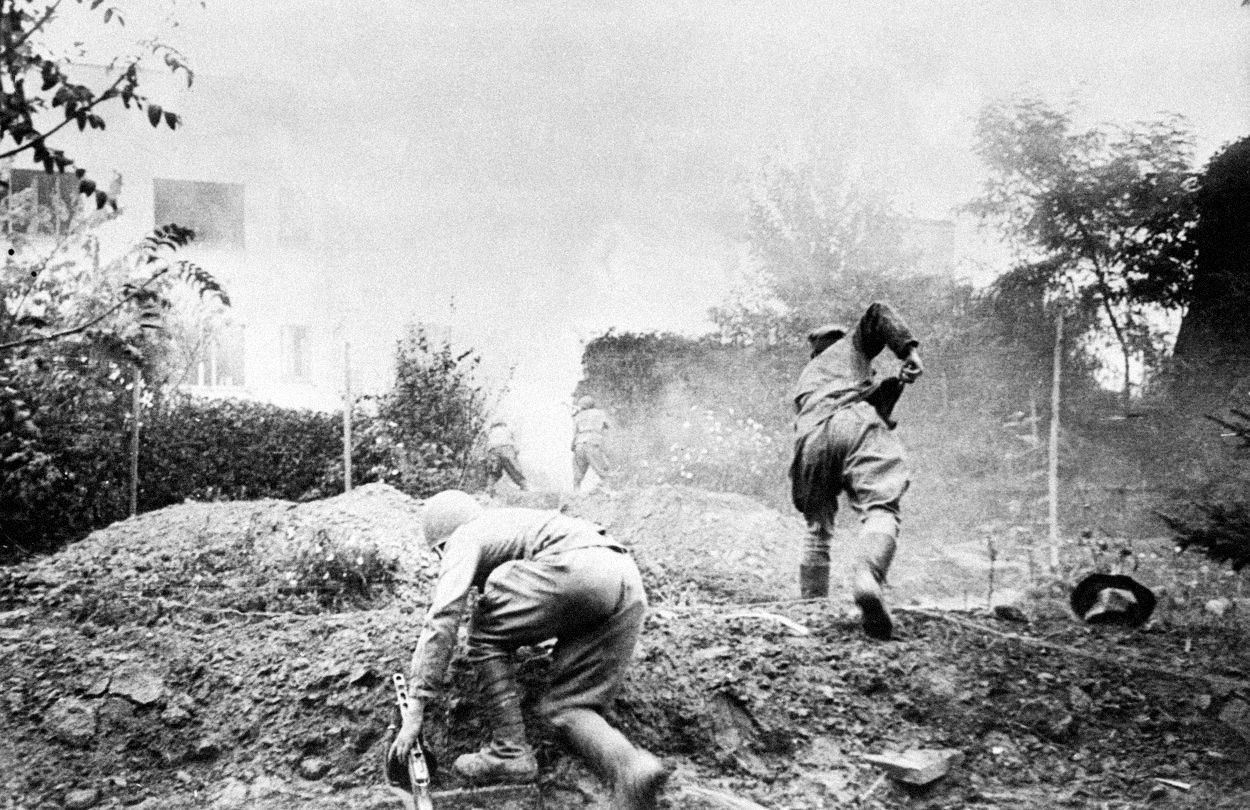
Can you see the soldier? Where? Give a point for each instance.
(501, 456)
(843, 443)
(542, 575)
(589, 423)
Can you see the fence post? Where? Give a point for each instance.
(347, 416)
(136, 404)
(1052, 471)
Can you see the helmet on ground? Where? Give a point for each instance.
(585, 403)
(446, 512)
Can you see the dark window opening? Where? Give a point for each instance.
(213, 210)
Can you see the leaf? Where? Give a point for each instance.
(100, 199)
(86, 186)
(108, 14)
(154, 114)
(171, 120)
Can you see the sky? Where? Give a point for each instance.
(554, 169)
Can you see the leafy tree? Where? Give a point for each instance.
(824, 247)
(1213, 328)
(1109, 210)
(38, 97)
(431, 419)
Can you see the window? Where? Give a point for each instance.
(222, 361)
(295, 365)
(213, 210)
(39, 203)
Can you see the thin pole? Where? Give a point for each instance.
(347, 416)
(1052, 476)
(136, 403)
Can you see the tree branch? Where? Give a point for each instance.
(44, 137)
(47, 15)
(31, 341)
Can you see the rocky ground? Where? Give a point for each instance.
(173, 660)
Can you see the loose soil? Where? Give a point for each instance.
(168, 662)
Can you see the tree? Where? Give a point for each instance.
(1213, 329)
(1110, 209)
(38, 98)
(823, 246)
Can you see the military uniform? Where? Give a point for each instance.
(542, 575)
(501, 457)
(844, 443)
(588, 427)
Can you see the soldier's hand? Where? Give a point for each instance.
(912, 367)
(406, 739)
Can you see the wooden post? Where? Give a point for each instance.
(347, 416)
(136, 404)
(1052, 476)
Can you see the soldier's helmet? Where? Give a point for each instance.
(446, 512)
(585, 403)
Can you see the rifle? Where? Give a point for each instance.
(411, 780)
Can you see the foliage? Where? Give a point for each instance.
(1220, 294)
(227, 449)
(1108, 210)
(630, 369)
(333, 568)
(719, 450)
(423, 435)
(824, 248)
(40, 98)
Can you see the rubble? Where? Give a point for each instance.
(918, 767)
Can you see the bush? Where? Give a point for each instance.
(212, 449)
(334, 569)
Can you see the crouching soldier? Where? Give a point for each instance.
(843, 442)
(541, 575)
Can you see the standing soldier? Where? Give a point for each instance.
(541, 575)
(843, 443)
(589, 423)
(501, 456)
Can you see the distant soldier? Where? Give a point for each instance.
(540, 575)
(589, 424)
(501, 456)
(843, 443)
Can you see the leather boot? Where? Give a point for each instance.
(636, 777)
(813, 581)
(877, 552)
(507, 757)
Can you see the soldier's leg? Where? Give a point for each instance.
(513, 468)
(581, 463)
(599, 462)
(876, 479)
(589, 664)
(518, 606)
(816, 479)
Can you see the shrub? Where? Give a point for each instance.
(333, 568)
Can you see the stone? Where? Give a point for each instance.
(232, 796)
(1236, 715)
(137, 683)
(72, 721)
(313, 768)
(919, 766)
(12, 618)
(82, 799)
(1010, 613)
(1218, 607)
(175, 716)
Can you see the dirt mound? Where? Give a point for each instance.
(352, 550)
(694, 545)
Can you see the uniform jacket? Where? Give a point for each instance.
(843, 372)
(470, 555)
